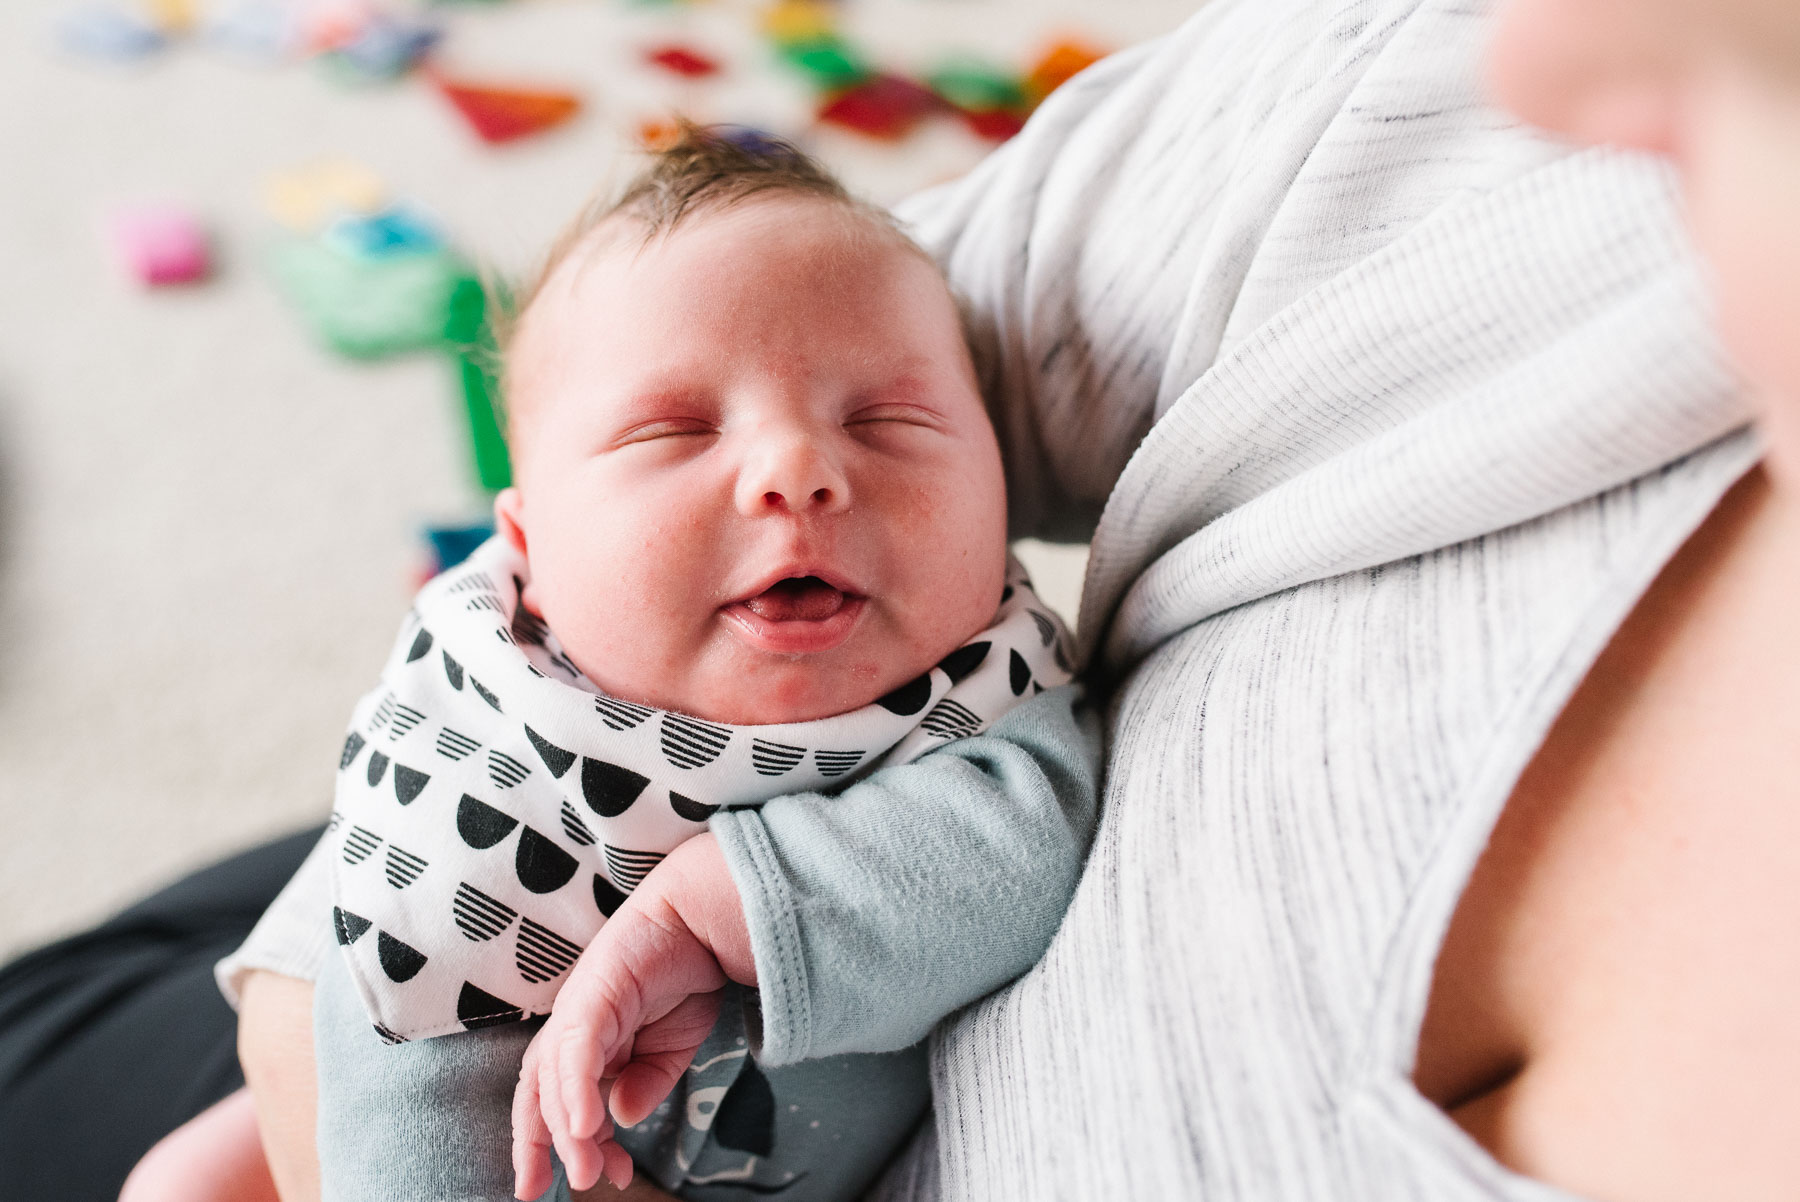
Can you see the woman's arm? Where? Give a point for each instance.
(275, 1046)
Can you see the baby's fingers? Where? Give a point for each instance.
(580, 1158)
(618, 1164)
(660, 1055)
(579, 1062)
(531, 1138)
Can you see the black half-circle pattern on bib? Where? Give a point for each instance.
(405, 719)
(480, 824)
(377, 768)
(403, 867)
(951, 720)
(688, 808)
(691, 743)
(527, 627)
(606, 898)
(408, 784)
(486, 695)
(555, 758)
(628, 867)
(360, 844)
(455, 745)
(964, 660)
(453, 672)
(542, 954)
(1019, 673)
(619, 715)
(773, 759)
(909, 698)
(541, 865)
(477, 1008)
(420, 645)
(400, 961)
(745, 1120)
(575, 828)
(353, 745)
(505, 771)
(836, 763)
(388, 1035)
(1045, 627)
(349, 927)
(609, 789)
(478, 916)
(1006, 594)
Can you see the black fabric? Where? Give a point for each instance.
(112, 1038)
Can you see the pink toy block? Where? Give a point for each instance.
(161, 246)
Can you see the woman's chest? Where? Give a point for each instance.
(1613, 1006)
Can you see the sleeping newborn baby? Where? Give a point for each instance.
(757, 550)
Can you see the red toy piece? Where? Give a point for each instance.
(884, 106)
(682, 61)
(996, 125)
(504, 114)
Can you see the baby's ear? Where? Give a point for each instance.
(509, 513)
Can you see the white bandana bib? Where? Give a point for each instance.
(493, 806)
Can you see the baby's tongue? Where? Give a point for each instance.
(807, 599)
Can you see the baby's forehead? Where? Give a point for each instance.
(719, 242)
(731, 245)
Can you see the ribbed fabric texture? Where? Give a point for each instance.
(876, 912)
(1382, 411)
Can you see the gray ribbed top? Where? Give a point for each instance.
(1382, 412)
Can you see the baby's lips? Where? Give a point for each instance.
(807, 599)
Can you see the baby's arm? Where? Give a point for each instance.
(875, 913)
(867, 917)
(625, 1025)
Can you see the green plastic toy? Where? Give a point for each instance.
(368, 307)
(977, 86)
(477, 359)
(829, 61)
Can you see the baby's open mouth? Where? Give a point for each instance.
(797, 599)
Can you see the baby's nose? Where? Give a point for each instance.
(795, 477)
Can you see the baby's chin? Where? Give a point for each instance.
(797, 698)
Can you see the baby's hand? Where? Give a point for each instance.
(625, 1026)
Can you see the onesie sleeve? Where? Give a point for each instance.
(293, 936)
(875, 912)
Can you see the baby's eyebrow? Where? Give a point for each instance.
(654, 400)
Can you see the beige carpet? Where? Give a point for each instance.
(208, 526)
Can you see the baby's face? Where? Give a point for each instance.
(756, 481)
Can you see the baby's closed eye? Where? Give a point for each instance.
(678, 427)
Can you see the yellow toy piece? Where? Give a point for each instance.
(308, 198)
(173, 16)
(789, 21)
